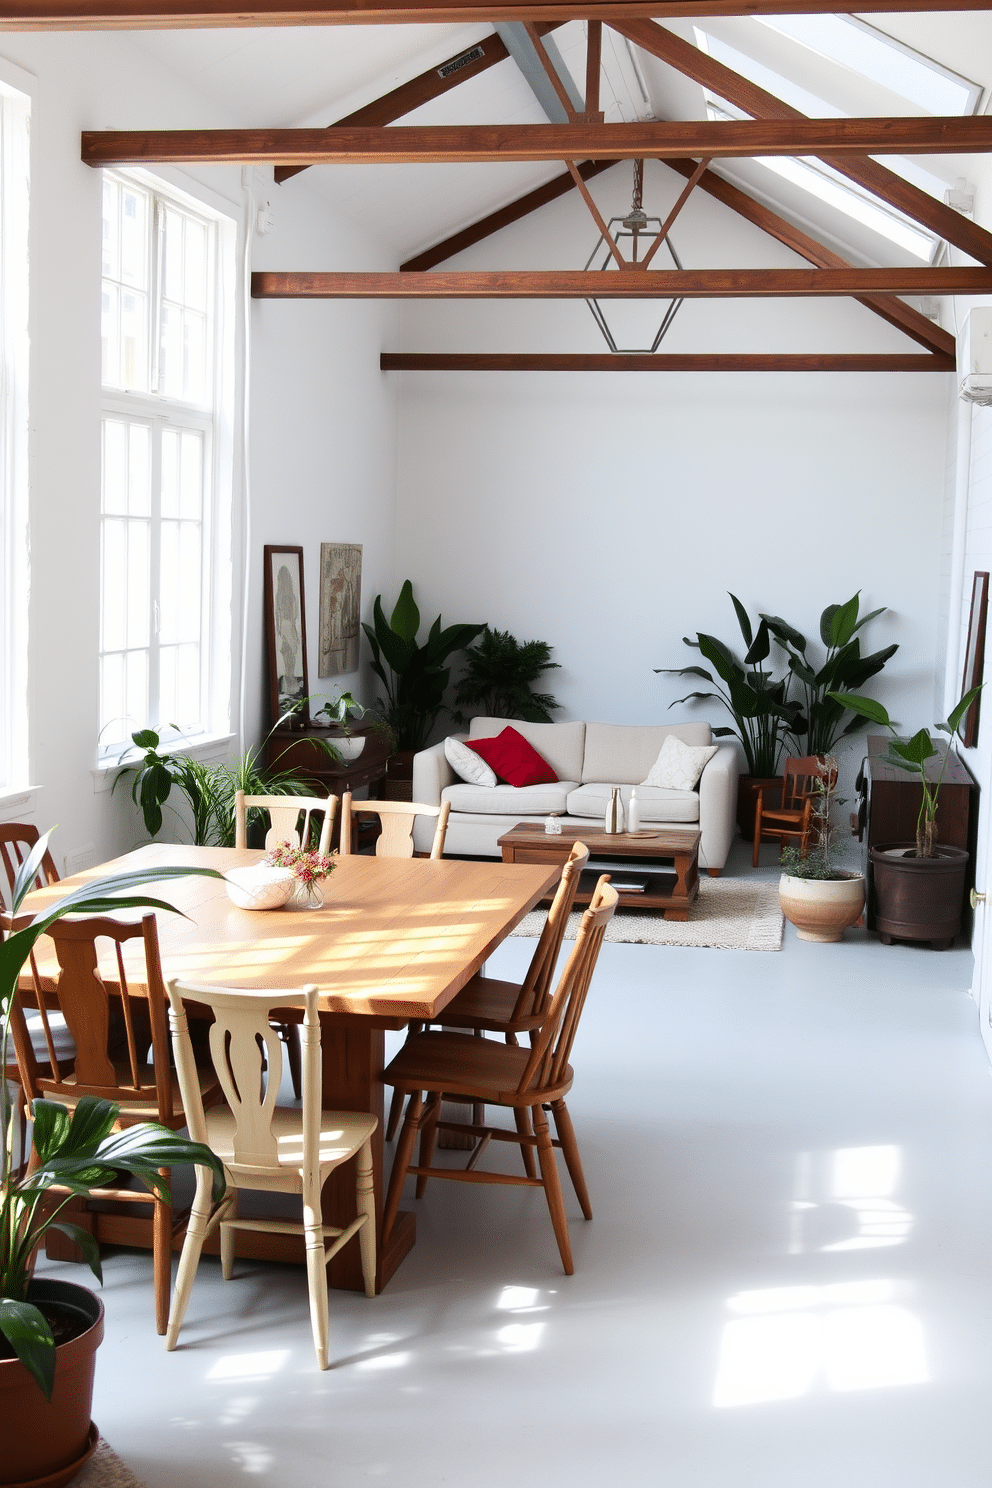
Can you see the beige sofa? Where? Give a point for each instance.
(589, 759)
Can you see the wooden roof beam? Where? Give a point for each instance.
(760, 104)
(477, 144)
(135, 15)
(630, 284)
(516, 361)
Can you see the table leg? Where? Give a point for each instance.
(353, 1061)
(686, 886)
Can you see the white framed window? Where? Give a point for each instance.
(15, 115)
(167, 328)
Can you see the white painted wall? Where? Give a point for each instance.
(609, 514)
(322, 421)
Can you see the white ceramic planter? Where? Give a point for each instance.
(349, 747)
(261, 886)
(822, 908)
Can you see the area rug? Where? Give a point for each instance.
(106, 1470)
(730, 914)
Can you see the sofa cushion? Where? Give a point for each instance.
(679, 765)
(510, 800)
(468, 763)
(624, 753)
(514, 760)
(655, 805)
(561, 744)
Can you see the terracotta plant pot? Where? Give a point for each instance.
(822, 908)
(47, 1441)
(748, 787)
(918, 898)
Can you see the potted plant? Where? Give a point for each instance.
(336, 714)
(918, 886)
(817, 895)
(499, 675)
(49, 1330)
(415, 676)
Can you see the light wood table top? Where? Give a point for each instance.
(395, 939)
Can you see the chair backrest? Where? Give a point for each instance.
(397, 819)
(16, 841)
(284, 818)
(245, 1047)
(799, 777)
(110, 1025)
(535, 992)
(553, 1040)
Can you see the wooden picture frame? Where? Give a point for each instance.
(286, 631)
(974, 656)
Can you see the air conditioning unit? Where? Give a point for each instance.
(975, 357)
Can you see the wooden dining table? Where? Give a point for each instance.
(394, 940)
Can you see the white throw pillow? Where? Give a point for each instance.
(679, 766)
(469, 765)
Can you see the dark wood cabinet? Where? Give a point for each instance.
(890, 804)
(296, 750)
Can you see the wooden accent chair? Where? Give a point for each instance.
(533, 1079)
(264, 1146)
(793, 816)
(17, 839)
(284, 826)
(397, 819)
(284, 818)
(112, 1029)
(489, 1005)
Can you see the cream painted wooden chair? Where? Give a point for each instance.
(397, 819)
(284, 818)
(277, 1149)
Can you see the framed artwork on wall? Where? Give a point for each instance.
(974, 657)
(285, 630)
(340, 608)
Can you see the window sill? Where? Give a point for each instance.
(205, 746)
(17, 801)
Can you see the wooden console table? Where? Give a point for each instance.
(295, 749)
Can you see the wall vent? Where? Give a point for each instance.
(475, 55)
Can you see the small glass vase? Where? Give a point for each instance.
(307, 895)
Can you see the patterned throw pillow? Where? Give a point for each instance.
(679, 766)
(514, 760)
(469, 765)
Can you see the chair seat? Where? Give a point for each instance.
(486, 1002)
(141, 1109)
(340, 1133)
(460, 1065)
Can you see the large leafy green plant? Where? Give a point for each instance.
(415, 677)
(756, 700)
(500, 673)
(913, 754)
(76, 1151)
(825, 716)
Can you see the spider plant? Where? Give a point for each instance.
(75, 1151)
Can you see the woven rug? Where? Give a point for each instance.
(730, 914)
(105, 1470)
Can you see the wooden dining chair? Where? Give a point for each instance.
(480, 1070)
(284, 818)
(276, 1149)
(16, 841)
(396, 818)
(112, 1029)
(792, 817)
(489, 1005)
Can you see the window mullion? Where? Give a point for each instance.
(155, 576)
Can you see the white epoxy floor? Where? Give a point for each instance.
(787, 1282)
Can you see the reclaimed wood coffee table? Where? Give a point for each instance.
(663, 862)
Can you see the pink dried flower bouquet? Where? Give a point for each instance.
(307, 867)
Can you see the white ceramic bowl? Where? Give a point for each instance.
(260, 886)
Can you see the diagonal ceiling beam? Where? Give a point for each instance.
(433, 83)
(134, 15)
(760, 104)
(543, 69)
(659, 361)
(630, 284)
(493, 143)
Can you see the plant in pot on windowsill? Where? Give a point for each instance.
(49, 1330)
(817, 895)
(918, 886)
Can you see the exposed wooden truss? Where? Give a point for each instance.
(760, 104)
(133, 15)
(416, 361)
(487, 143)
(629, 284)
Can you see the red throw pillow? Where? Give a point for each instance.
(513, 759)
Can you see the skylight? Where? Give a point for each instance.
(883, 60)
